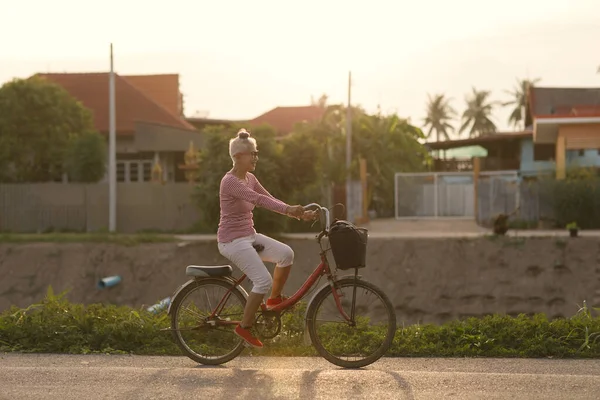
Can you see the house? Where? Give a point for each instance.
(566, 126)
(503, 152)
(281, 119)
(563, 130)
(201, 123)
(150, 128)
(163, 89)
(284, 119)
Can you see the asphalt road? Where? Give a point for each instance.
(136, 377)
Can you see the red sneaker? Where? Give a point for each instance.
(277, 300)
(248, 337)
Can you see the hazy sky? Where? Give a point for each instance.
(238, 59)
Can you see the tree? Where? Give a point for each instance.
(439, 115)
(389, 144)
(519, 101)
(331, 131)
(38, 121)
(299, 164)
(478, 113)
(85, 159)
(296, 169)
(328, 134)
(320, 102)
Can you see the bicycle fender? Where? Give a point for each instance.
(194, 281)
(239, 287)
(177, 291)
(322, 288)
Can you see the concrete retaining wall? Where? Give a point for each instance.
(428, 280)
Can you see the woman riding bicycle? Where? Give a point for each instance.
(239, 193)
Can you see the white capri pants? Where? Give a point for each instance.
(241, 253)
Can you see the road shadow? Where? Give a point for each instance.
(243, 383)
(202, 366)
(249, 384)
(255, 384)
(308, 386)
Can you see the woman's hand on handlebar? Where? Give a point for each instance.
(309, 215)
(295, 211)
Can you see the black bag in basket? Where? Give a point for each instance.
(348, 245)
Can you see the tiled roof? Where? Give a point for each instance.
(131, 104)
(163, 89)
(545, 101)
(283, 119)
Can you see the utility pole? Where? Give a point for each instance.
(349, 208)
(112, 150)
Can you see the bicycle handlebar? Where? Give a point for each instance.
(323, 210)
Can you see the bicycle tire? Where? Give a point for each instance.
(177, 301)
(311, 318)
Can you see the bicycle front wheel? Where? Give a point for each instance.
(203, 319)
(361, 341)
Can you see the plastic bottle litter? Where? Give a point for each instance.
(109, 281)
(158, 307)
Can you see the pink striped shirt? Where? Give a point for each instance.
(238, 198)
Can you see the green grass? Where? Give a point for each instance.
(100, 237)
(57, 326)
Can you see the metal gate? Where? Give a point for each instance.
(426, 195)
(434, 195)
(498, 192)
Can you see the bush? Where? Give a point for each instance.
(85, 159)
(304, 166)
(38, 121)
(58, 326)
(576, 198)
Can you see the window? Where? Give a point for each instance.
(544, 152)
(147, 171)
(121, 172)
(134, 171)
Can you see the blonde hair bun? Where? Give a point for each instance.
(241, 143)
(243, 134)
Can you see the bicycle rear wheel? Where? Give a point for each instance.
(351, 344)
(205, 339)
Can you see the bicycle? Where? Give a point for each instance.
(209, 328)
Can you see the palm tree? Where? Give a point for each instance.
(478, 113)
(439, 115)
(519, 101)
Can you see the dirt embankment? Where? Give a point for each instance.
(428, 280)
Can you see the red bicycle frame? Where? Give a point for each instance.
(322, 269)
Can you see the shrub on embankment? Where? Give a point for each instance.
(57, 326)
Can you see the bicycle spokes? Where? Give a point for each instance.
(205, 321)
(352, 339)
